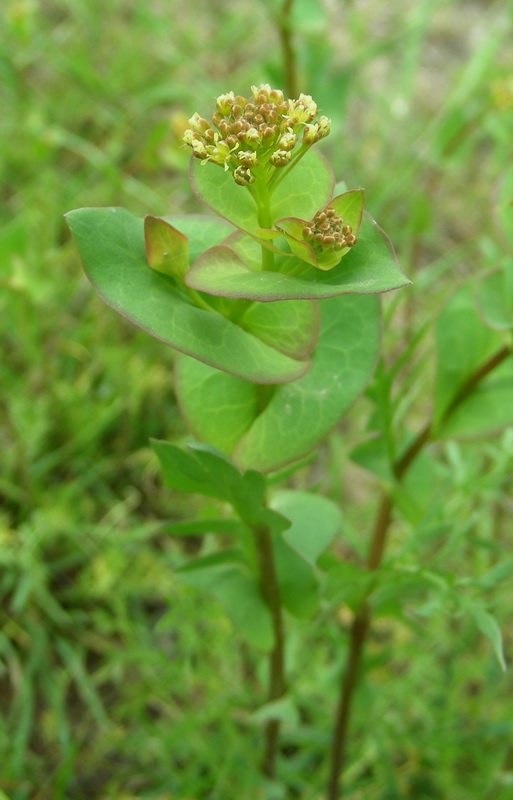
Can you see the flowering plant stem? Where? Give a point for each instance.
(262, 199)
(288, 52)
(271, 594)
(361, 625)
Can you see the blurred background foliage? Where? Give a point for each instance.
(115, 680)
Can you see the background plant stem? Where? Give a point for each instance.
(362, 621)
(271, 593)
(288, 53)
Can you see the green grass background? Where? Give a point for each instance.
(115, 680)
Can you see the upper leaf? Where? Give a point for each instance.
(111, 244)
(370, 267)
(305, 189)
(349, 209)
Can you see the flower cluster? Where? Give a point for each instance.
(327, 231)
(256, 136)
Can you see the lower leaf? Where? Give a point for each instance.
(295, 417)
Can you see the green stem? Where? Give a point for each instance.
(288, 53)
(271, 593)
(282, 173)
(362, 621)
(263, 201)
(198, 300)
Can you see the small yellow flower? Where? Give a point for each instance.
(225, 102)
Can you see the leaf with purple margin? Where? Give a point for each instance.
(293, 421)
(349, 207)
(111, 244)
(370, 267)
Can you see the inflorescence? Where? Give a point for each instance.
(327, 231)
(251, 137)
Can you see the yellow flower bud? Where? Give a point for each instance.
(310, 134)
(287, 140)
(224, 103)
(242, 176)
(198, 124)
(323, 126)
(247, 157)
(280, 158)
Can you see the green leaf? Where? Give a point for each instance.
(305, 190)
(396, 588)
(245, 492)
(300, 414)
(370, 267)
(298, 586)
(199, 572)
(294, 421)
(292, 230)
(463, 342)
(505, 205)
(284, 709)
(111, 243)
(204, 470)
(349, 207)
(373, 456)
(183, 472)
(488, 409)
(201, 231)
(495, 301)
(218, 408)
(345, 582)
(198, 527)
(414, 494)
(166, 248)
(238, 593)
(291, 326)
(488, 626)
(315, 522)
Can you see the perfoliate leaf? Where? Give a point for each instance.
(219, 408)
(370, 267)
(291, 326)
(349, 207)
(291, 422)
(299, 415)
(111, 243)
